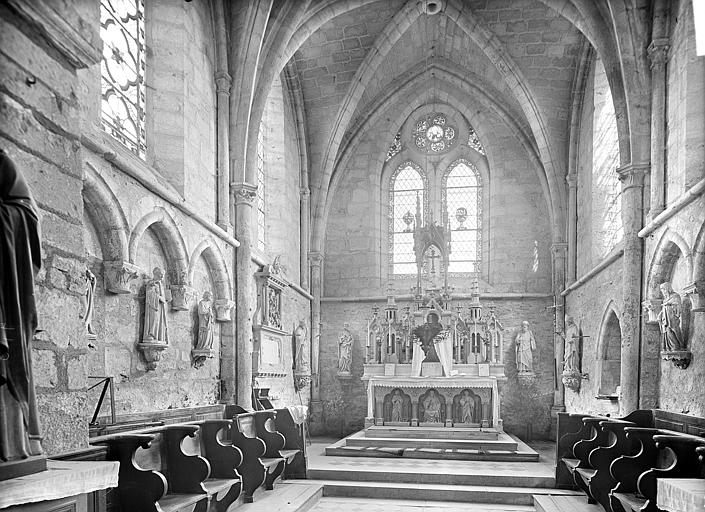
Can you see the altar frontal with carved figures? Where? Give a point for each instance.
(430, 364)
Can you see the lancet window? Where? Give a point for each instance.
(462, 202)
(407, 188)
(122, 72)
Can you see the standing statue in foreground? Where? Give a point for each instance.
(572, 341)
(669, 319)
(206, 318)
(155, 328)
(525, 346)
(20, 260)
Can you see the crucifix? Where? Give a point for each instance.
(433, 257)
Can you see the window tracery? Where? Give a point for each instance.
(462, 203)
(433, 134)
(407, 193)
(122, 72)
(395, 147)
(474, 141)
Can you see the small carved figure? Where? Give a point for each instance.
(273, 310)
(525, 345)
(205, 322)
(155, 326)
(432, 408)
(89, 303)
(345, 343)
(467, 408)
(571, 335)
(669, 320)
(397, 406)
(300, 335)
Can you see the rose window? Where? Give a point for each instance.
(433, 135)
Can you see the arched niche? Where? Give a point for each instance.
(672, 262)
(609, 357)
(107, 218)
(160, 223)
(215, 263)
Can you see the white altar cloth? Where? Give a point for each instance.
(680, 494)
(61, 479)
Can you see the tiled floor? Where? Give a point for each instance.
(371, 505)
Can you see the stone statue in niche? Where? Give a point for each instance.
(670, 320)
(571, 335)
(432, 408)
(467, 407)
(345, 344)
(89, 304)
(397, 406)
(155, 302)
(525, 346)
(206, 318)
(20, 260)
(300, 336)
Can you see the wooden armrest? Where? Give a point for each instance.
(266, 430)
(222, 455)
(186, 472)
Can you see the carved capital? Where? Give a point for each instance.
(316, 258)
(152, 352)
(223, 308)
(632, 175)
(118, 274)
(244, 193)
(658, 52)
(571, 180)
(181, 297)
(696, 293)
(305, 193)
(652, 308)
(559, 250)
(223, 81)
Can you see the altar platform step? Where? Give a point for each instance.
(503, 442)
(564, 504)
(460, 433)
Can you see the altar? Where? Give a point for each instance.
(434, 364)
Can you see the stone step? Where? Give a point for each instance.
(504, 443)
(333, 504)
(289, 496)
(436, 492)
(387, 432)
(430, 453)
(494, 478)
(552, 503)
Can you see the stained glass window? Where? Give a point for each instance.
(462, 200)
(474, 142)
(122, 71)
(406, 189)
(395, 147)
(432, 134)
(260, 189)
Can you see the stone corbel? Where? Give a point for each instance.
(696, 293)
(223, 308)
(652, 308)
(152, 352)
(181, 297)
(199, 356)
(301, 380)
(572, 379)
(679, 358)
(118, 274)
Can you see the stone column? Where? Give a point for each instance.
(305, 226)
(632, 178)
(558, 253)
(571, 274)
(222, 83)
(316, 259)
(244, 197)
(658, 54)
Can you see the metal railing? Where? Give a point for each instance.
(107, 383)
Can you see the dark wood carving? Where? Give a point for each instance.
(294, 448)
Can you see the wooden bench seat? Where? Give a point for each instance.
(294, 450)
(156, 474)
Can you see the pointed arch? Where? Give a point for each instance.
(216, 264)
(169, 237)
(609, 362)
(104, 211)
(670, 248)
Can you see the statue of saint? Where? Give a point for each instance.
(525, 345)
(397, 406)
(669, 319)
(571, 335)
(300, 333)
(20, 260)
(432, 408)
(155, 328)
(89, 303)
(205, 322)
(345, 343)
(467, 408)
